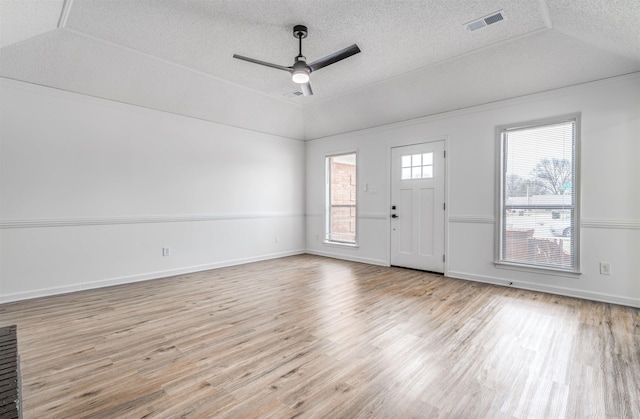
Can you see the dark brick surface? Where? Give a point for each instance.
(9, 395)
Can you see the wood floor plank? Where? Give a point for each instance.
(306, 336)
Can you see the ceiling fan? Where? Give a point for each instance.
(300, 70)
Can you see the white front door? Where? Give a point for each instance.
(417, 206)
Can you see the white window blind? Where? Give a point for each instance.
(341, 214)
(538, 211)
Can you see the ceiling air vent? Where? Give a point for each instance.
(485, 21)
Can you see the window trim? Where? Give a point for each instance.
(540, 269)
(327, 201)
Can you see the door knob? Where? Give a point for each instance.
(394, 216)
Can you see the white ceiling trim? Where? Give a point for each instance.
(546, 15)
(439, 63)
(64, 15)
(172, 63)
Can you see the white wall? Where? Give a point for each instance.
(91, 190)
(610, 187)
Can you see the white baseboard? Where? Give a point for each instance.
(46, 292)
(333, 255)
(569, 292)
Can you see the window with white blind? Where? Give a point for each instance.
(538, 220)
(341, 213)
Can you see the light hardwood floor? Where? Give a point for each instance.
(306, 336)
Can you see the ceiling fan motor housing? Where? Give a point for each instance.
(300, 64)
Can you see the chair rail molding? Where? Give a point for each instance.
(141, 219)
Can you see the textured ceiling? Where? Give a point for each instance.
(130, 50)
(395, 36)
(24, 19)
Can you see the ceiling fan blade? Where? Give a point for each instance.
(306, 89)
(334, 58)
(252, 60)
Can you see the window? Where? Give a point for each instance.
(538, 219)
(417, 166)
(341, 199)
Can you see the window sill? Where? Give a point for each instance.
(537, 269)
(338, 244)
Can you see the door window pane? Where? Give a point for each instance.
(417, 166)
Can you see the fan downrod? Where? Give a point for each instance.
(300, 32)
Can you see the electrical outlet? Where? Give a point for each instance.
(166, 251)
(277, 239)
(605, 268)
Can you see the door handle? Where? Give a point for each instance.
(394, 216)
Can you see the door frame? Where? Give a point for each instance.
(418, 141)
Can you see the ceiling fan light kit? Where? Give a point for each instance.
(300, 73)
(300, 70)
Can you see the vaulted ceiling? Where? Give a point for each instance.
(177, 55)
